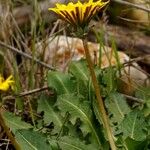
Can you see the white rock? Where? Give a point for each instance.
(59, 51)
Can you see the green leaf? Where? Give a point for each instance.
(61, 82)
(136, 145)
(134, 126)
(109, 80)
(80, 71)
(45, 104)
(14, 122)
(146, 108)
(79, 109)
(31, 140)
(144, 94)
(148, 124)
(130, 144)
(97, 112)
(117, 107)
(71, 143)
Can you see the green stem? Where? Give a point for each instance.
(98, 95)
(8, 132)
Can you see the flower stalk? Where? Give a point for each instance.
(79, 15)
(98, 95)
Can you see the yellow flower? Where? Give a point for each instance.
(78, 14)
(6, 84)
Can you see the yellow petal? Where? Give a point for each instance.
(6, 84)
(79, 13)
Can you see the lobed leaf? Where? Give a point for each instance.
(80, 71)
(61, 82)
(50, 113)
(134, 126)
(117, 107)
(136, 145)
(109, 80)
(71, 143)
(31, 140)
(130, 144)
(14, 122)
(79, 109)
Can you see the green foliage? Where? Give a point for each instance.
(71, 143)
(79, 109)
(31, 140)
(80, 71)
(130, 144)
(70, 119)
(45, 104)
(108, 80)
(145, 95)
(62, 83)
(136, 145)
(134, 126)
(15, 122)
(117, 107)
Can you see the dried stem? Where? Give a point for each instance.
(25, 55)
(23, 94)
(134, 99)
(98, 95)
(132, 5)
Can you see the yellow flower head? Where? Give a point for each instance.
(6, 84)
(78, 14)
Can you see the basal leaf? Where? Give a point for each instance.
(108, 80)
(117, 107)
(97, 112)
(71, 143)
(61, 82)
(148, 124)
(136, 145)
(14, 122)
(50, 113)
(144, 94)
(80, 71)
(146, 108)
(31, 140)
(79, 109)
(134, 126)
(130, 144)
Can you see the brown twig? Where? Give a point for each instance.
(136, 59)
(132, 5)
(33, 91)
(27, 93)
(135, 99)
(26, 55)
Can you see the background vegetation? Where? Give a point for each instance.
(52, 109)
